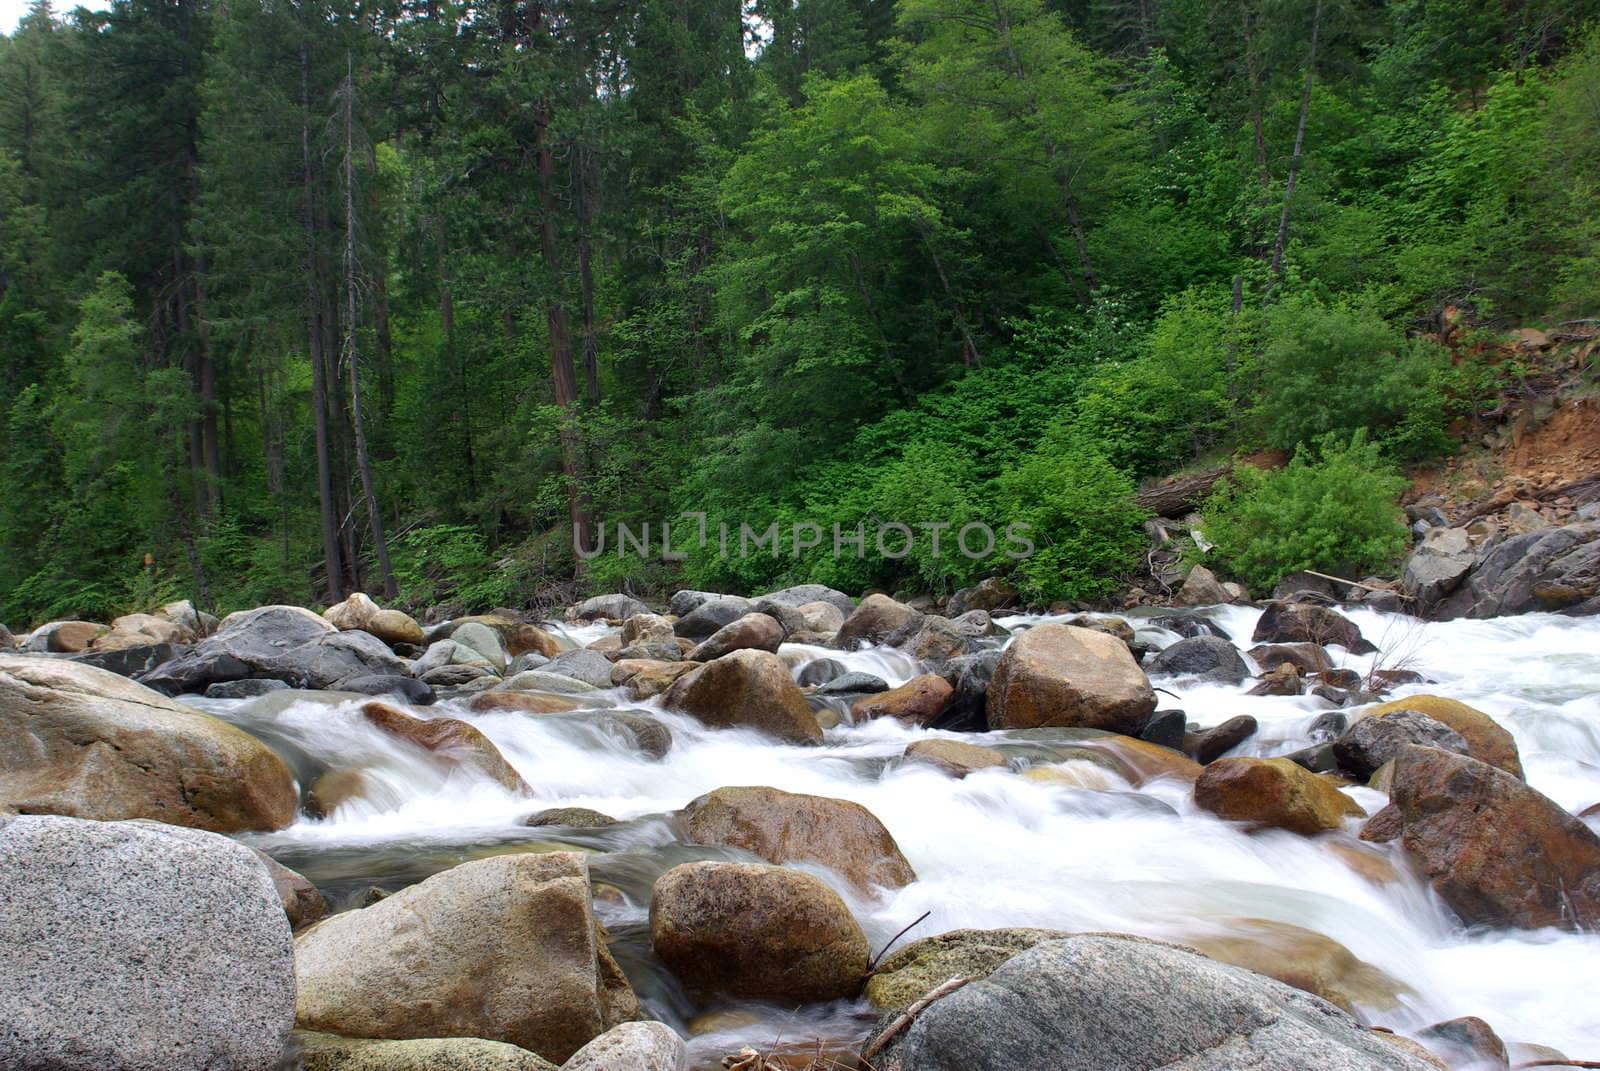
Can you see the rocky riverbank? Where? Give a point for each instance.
(463, 905)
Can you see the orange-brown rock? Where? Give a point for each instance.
(955, 757)
(787, 827)
(1058, 675)
(528, 702)
(1302, 958)
(652, 679)
(916, 702)
(752, 632)
(1272, 793)
(1140, 761)
(747, 689)
(1487, 741)
(456, 740)
(1495, 850)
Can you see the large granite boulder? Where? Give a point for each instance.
(1436, 567)
(1273, 793)
(460, 744)
(632, 1047)
(132, 946)
(801, 594)
(788, 827)
(874, 621)
(330, 1052)
(612, 607)
(758, 932)
(746, 689)
(284, 643)
(1555, 568)
(81, 741)
(711, 615)
(1364, 747)
(1103, 1002)
(752, 632)
(1305, 622)
(1487, 740)
(504, 948)
(1211, 659)
(1058, 675)
(919, 701)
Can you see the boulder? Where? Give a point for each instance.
(461, 744)
(991, 593)
(504, 948)
(788, 827)
(819, 672)
(752, 632)
(709, 616)
(249, 688)
(443, 653)
(1302, 622)
(854, 683)
(330, 1052)
(80, 741)
(130, 661)
(647, 628)
(919, 701)
(284, 643)
(955, 757)
(396, 628)
(1167, 728)
(635, 730)
(1285, 680)
(140, 630)
(571, 817)
(303, 903)
(913, 971)
(1202, 588)
(138, 947)
(613, 607)
(652, 680)
(1058, 675)
(970, 676)
(482, 639)
(1095, 1002)
(1467, 1042)
(934, 640)
(1551, 568)
(632, 1047)
(1495, 850)
(7, 639)
(1302, 958)
(416, 693)
(685, 602)
(590, 667)
(820, 617)
(1273, 793)
(64, 637)
(1210, 658)
(873, 622)
(750, 689)
(801, 594)
(758, 932)
(352, 614)
(1487, 741)
(1306, 658)
(1437, 565)
(537, 680)
(526, 702)
(1374, 740)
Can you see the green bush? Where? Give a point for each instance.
(451, 561)
(1332, 509)
(1085, 526)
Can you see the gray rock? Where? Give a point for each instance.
(711, 615)
(801, 594)
(1298, 622)
(821, 671)
(1099, 1002)
(1210, 658)
(537, 680)
(570, 817)
(1202, 588)
(330, 1052)
(969, 675)
(457, 676)
(685, 602)
(146, 949)
(789, 618)
(1165, 727)
(1548, 569)
(1373, 741)
(613, 607)
(990, 594)
(590, 667)
(635, 729)
(1437, 566)
(285, 643)
(415, 692)
(632, 1047)
(1328, 727)
(133, 661)
(1210, 744)
(476, 636)
(525, 661)
(443, 653)
(853, 683)
(249, 688)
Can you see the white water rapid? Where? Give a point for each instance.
(999, 849)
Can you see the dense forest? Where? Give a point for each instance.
(301, 298)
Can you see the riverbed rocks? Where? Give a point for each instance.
(504, 948)
(330, 1052)
(1211, 659)
(64, 637)
(1495, 850)
(460, 744)
(1302, 958)
(955, 757)
(747, 689)
(132, 946)
(1487, 740)
(1376, 739)
(874, 621)
(1202, 588)
(81, 741)
(913, 971)
(788, 827)
(641, 1046)
(1550, 568)
(709, 616)
(612, 607)
(755, 931)
(752, 632)
(1091, 1002)
(1058, 675)
(590, 667)
(1308, 659)
(1208, 745)
(1303, 622)
(1436, 566)
(1273, 794)
(919, 701)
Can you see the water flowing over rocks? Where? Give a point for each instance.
(132, 946)
(81, 741)
(756, 931)
(919, 701)
(510, 952)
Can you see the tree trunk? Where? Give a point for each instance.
(591, 341)
(1299, 142)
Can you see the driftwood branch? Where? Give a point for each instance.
(1558, 1063)
(1353, 583)
(1183, 494)
(907, 1017)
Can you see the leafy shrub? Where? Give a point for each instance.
(1332, 509)
(450, 561)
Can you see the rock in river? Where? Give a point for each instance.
(1058, 675)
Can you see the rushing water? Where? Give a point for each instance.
(999, 849)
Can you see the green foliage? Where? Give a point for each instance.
(1331, 508)
(452, 561)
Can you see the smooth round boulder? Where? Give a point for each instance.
(460, 744)
(632, 1047)
(1211, 659)
(504, 948)
(590, 667)
(395, 627)
(955, 757)
(353, 613)
(788, 827)
(1487, 741)
(1304, 622)
(873, 622)
(1273, 793)
(612, 607)
(1208, 745)
(1374, 740)
(1059, 675)
(752, 632)
(919, 701)
(330, 1052)
(85, 742)
(757, 932)
(134, 946)
(746, 689)
(711, 615)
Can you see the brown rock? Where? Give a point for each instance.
(1058, 675)
(1272, 793)
(85, 742)
(873, 621)
(1307, 658)
(74, 637)
(955, 757)
(520, 638)
(1285, 680)
(1201, 588)
(820, 617)
(455, 740)
(752, 632)
(649, 681)
(394, 627)
(747, 689)
(749, 930)
(1140, 762)
(646, 628)
(302, 901)
(528, 702)
(1494, 849)
(787, 827)
(917, 702)
(1304, 959)
(352, 614)
(1467, 1042)
(1302, 622)
(1369, 863)
(1382, 827)
(1209, 745)
(1486, 740)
